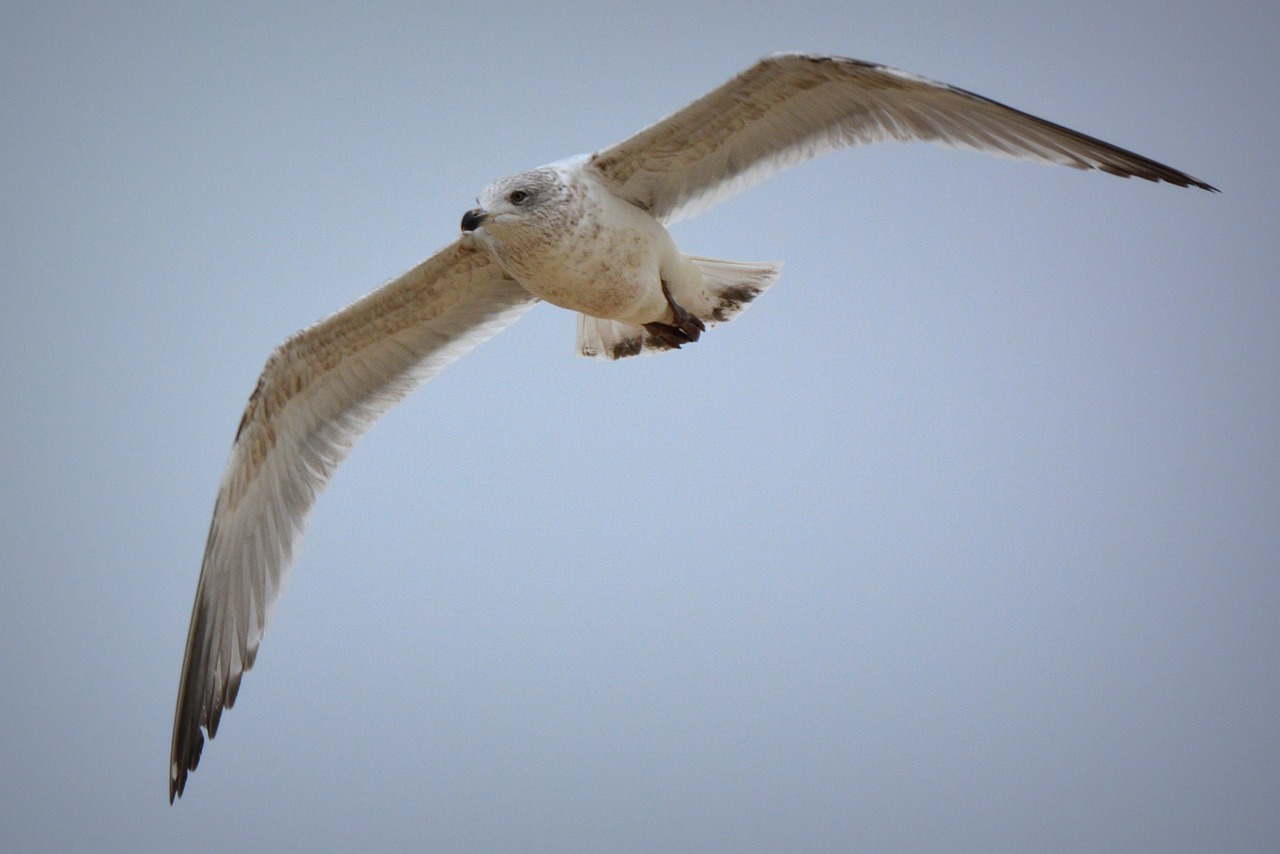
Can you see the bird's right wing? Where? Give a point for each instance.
(788, 108)
(319, 392)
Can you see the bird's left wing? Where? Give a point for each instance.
(320, 390)
(788, 108)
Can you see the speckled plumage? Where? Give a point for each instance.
(588, 234)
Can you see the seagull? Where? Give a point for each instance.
(589, 234)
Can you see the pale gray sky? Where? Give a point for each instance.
(964, 537)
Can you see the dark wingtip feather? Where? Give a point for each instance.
(186, 756)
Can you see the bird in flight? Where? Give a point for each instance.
(589, 234)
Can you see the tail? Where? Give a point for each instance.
(727, 287)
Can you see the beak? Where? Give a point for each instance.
(473, 219)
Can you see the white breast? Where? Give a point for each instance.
(607, 260)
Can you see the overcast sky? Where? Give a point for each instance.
(966, 536)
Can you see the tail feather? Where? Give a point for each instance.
(727, 287)
(609, 339)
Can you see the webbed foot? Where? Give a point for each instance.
(686, 328)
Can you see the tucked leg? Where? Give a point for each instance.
(685, 329)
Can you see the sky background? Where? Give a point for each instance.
(966, 536)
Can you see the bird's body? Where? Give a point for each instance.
(574, 244)
(562, 233)
(588, 234)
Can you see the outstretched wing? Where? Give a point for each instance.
(320, 390)
(788, 108)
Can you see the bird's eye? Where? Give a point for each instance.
(518, 197)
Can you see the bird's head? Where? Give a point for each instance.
(517, 200)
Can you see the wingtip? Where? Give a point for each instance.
(1169, 175)
(1184, 180)
(183, 759)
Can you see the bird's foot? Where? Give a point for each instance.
(685, 329)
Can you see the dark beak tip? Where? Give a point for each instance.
(471, 220)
